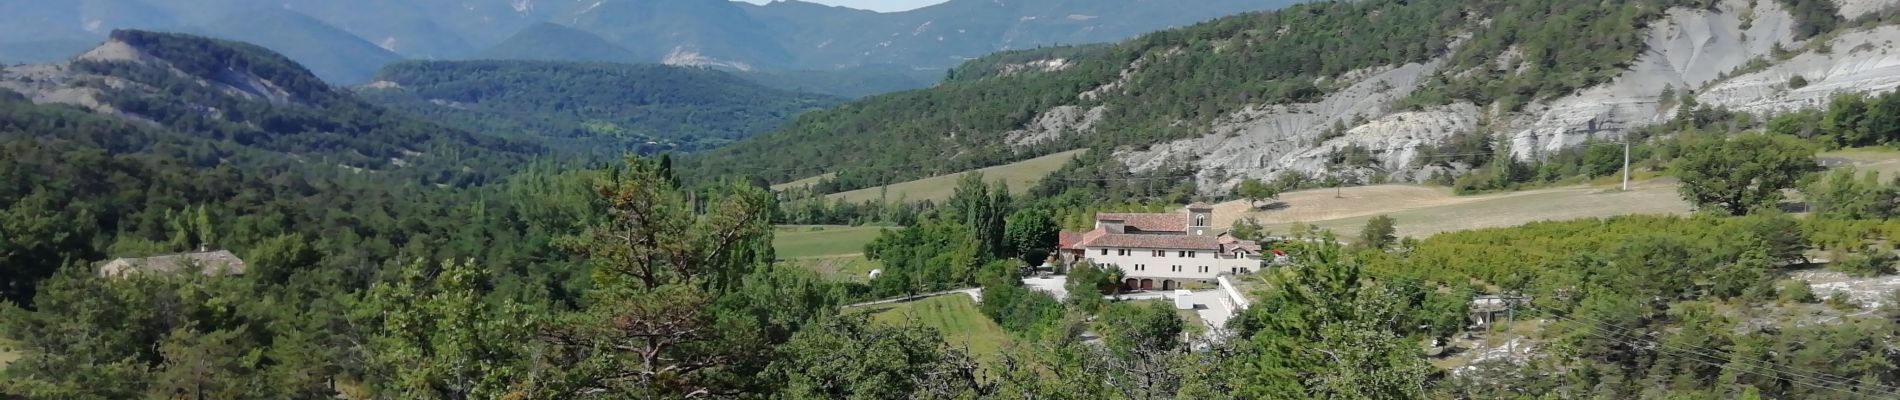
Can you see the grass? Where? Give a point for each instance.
(956, 317)
(851, 268)
(1883, 160)
(1020, 176)
(797, 242)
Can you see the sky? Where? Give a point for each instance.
(873, 5)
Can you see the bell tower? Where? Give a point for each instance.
(1200, 218)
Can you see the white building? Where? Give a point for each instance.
(1163, 251)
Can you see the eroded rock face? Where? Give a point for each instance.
(1056, 123)
(1734, 56)
(1856, 8)
(1261, 141)
(1855, 62)
(1687, 49)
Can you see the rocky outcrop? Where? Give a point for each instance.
(1056, 123)
(1855, 62)
(1856, 8)
(1261, 141)
(1049, 65)
(62, 84)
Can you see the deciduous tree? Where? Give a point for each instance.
(1255, 191)
(1032, 236)
(1742, 173)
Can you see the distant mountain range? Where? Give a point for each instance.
(780, 36)
(243, 98)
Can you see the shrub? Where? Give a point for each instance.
(1797, 82)
(1797, 291)
(1878, 262)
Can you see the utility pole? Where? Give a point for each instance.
(1626, 162)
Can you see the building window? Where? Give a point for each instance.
(1105, 252)
(1158, 253)
(1180, 254)
(1176, 268)
(1193, 254)
(1121, 252)
(1200, 220)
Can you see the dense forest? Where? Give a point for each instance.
(599, 107)
(316, 166)
(1015, 62)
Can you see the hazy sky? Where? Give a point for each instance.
(873, 5)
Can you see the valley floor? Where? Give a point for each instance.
(834, 251)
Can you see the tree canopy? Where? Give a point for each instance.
(1743, 173)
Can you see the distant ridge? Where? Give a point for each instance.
(593, 107)
(549, 41)
(333, 54)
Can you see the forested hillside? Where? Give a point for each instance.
(289, 156)
(250, 96)
(1301, 89)
(549, 41)
(1176, 84)
(591, 106)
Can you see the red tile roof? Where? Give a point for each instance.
(1185, 242)
(1171, 222)
(1069, 240)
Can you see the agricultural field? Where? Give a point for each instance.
(1424, 211)
(956, 316)
(1020, 176)
(1884, 161)
(814, 241)
(801, 182)
(851, 268)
